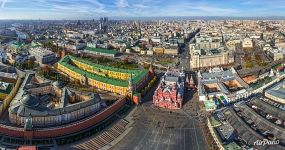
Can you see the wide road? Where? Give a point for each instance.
(184, 57)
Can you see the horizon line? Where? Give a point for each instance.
(150, 17)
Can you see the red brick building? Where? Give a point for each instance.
(170, 91)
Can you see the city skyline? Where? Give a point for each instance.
(89, 9)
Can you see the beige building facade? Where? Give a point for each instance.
(210, 58)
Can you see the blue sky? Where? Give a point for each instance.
(88, 9)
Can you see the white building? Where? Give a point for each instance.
(136, 49)
(149, 52)
(231, 44)
(143, 52)
(42, 55)
(267, 47)
(156, 39)
(276, 54)
(91, 44)
(247, 43)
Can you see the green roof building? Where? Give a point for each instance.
(104, 74)
(101, 51)
(210, 105)
(16, 46)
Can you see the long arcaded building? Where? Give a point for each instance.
(103, 77)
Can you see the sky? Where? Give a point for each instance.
(89, 9)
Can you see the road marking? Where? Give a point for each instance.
(196, 135)
(153, 130)
(170, 136)
(194, 128)
(184, 139)
(160, 135)
(152, 122)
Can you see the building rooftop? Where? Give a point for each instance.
(17, 45)
(101, 50)
(232, 146)
(6, 88)
(28, 102)
(137, 75)
(218, 81)
(216, 73)
(40, 51)
(226, 131)
(278, 90)
(214, 122)
(209, 105)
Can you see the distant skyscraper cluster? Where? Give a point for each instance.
(103, 26)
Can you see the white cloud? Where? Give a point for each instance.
(122, 3)
(267, 4)
(146, 4)
(215, 10)
(2, 3)
(140, 6)
(86, 7)
(204, 9)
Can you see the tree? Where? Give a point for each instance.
(126, 60)
(30, 64)
(248, 64)
(46, 69)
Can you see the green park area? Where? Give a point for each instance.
(253, 61)
(122, 64)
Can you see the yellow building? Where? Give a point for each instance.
(158, 50)
(103, 77)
